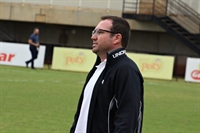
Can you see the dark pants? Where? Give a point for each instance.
(34, 54)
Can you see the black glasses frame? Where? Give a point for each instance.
(98, 31)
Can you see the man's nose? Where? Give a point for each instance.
(94, 37)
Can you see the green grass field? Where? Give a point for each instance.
(44, 101)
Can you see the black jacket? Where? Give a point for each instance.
(117, 100)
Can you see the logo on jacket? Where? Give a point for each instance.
(119, 54)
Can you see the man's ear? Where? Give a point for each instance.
(117, 38)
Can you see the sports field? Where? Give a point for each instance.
(44, 101)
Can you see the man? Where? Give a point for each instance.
(34, 45)
(112, 98)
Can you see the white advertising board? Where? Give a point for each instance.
(15, 54)
(192, 73)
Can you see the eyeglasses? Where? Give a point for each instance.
(99, 31)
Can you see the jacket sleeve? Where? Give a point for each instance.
(129, 100)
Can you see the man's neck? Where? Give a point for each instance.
(103, 58)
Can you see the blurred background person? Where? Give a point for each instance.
(34, 47)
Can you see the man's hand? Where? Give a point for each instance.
(37, 44)
(34, 44)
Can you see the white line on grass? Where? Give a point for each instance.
(81, 82)
(22, 81)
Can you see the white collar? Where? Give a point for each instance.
(102, 64)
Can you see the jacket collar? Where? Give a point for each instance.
(112, 55)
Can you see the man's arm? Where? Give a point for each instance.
(32, 43)
(129, 85)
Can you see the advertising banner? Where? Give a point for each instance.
(73, 59)
(82, 60)
(154, 66)
(15, 54)
(192, 73)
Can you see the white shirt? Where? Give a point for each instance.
(81, 126)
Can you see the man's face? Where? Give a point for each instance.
(36, 31)
(102, 40)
